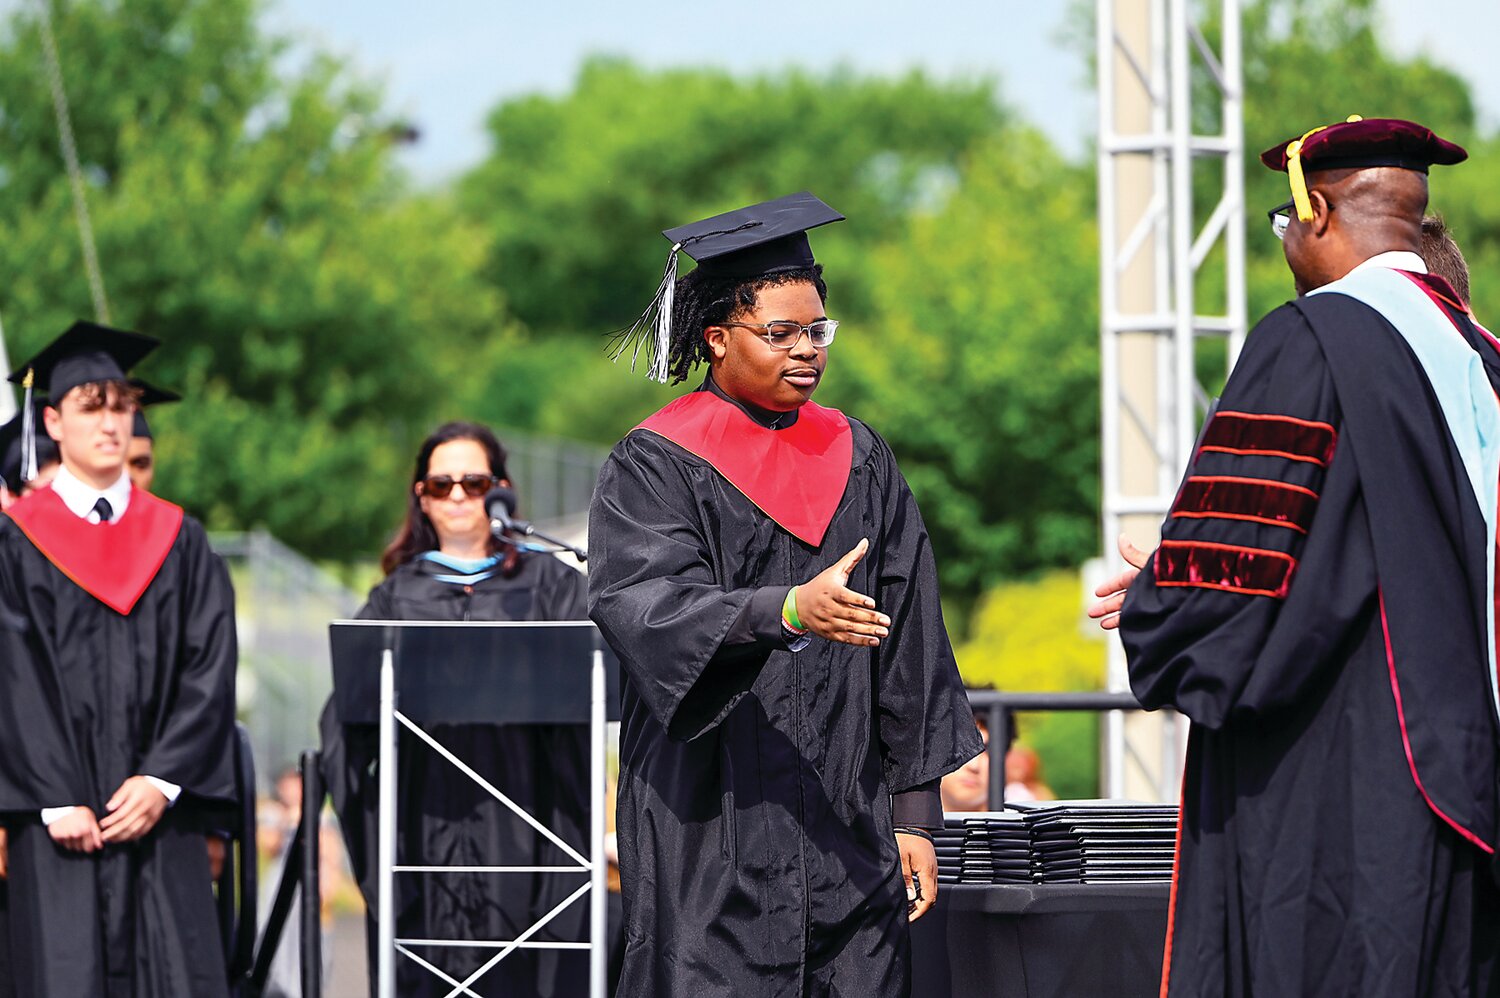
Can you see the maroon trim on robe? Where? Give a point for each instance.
(1438, 289)
(1411, 761)
(113, 562)
(1271, 436)
(796, 476)
(1230, 567)
(1258, 500)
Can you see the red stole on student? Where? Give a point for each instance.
(113, 562)
(796, 476)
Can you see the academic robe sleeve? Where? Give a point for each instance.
(655, 595)
(38, 764)
(1260, 522)
(925, 723)
(193, 746)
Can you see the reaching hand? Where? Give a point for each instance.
(1107, 610)
(919, 867)
(830, 609)
(77, 831)
(133, 811)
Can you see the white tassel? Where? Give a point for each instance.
(28, 433)
(652, 332)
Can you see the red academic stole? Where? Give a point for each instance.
(796, 476)
(113, 562)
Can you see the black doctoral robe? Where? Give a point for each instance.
(92, 697)
(1317, 610)
(757, 855)
(445, 818)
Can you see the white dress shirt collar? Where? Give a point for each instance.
(80, 498)
(1396, 260)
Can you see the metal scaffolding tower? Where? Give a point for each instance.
(1167, 285)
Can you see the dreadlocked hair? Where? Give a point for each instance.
(704, 301)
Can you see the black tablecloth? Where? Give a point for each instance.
(1041, 941)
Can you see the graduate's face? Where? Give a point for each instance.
(458, 517)
(751, 370)
(92, 425)
(140, 461)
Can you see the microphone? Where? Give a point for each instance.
(500, 507)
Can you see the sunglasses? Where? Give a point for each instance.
(1280, 218)
(441, 486)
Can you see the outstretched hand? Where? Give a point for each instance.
(830, 609)
(1107, 610)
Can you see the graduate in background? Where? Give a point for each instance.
(140, 455)
(791, 700)
(445, 564)
(1322, 606)
(116, 728)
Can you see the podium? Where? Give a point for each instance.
(407, 674)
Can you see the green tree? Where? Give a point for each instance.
(316, 314)
(980, 364)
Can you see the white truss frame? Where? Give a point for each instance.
(1163, 77)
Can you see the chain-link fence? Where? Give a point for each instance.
(283, 604)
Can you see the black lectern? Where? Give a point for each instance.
(411, 673)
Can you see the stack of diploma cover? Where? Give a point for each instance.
(1099, 842)
(991, 847)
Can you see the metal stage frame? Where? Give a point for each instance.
(1155, 69)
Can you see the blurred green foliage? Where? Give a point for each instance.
(1032, 636)
(321, 314)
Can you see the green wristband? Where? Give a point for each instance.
(789, 611)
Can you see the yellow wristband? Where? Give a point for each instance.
(789, 611)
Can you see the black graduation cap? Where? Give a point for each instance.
(150, 395)
(85, 354)
(11, 435)
(757, 241)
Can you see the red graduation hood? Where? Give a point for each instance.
(113, 562)
(796, 476)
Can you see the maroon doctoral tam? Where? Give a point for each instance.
(1368, 142)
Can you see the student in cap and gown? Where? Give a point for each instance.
(1322, 607)
(116, 726)
(790, 696)
(140, 456)
(446, 565)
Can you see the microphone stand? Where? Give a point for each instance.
(500, 528)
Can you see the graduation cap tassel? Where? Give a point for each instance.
(28, 431)
(652, 332)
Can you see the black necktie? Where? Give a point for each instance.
(104, 509)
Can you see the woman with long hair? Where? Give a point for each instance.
(445, 564)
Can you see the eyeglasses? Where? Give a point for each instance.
(441, 486)
(785, 335)
(1281, 217)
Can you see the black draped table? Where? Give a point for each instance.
(1041, 941)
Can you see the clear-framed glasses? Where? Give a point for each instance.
(783, 335)
(1281, 217)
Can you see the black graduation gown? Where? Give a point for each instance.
(445, 818)
(757, 855)
(1317, 610)
(93, 696)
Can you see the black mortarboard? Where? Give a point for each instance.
(85, 354)
(747, 243)
(150, 395)
(11, 435)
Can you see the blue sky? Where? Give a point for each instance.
(445, 63)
